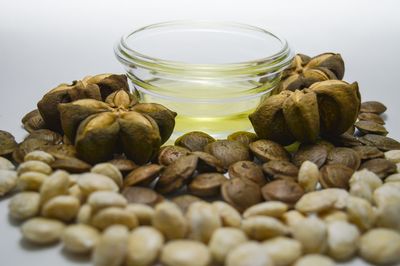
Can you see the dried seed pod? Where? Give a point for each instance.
(8, 181)
(142, 195)
(371, 117)
(269, 208)
(315, 153)
(266, 150)
(80, 238)
(331, 61)
(368, 152)
(169, 154)
(42, 231)
(228, 152)
(114, 216)
(241, 193)
(143, 175)
(184, 201)
(311, 232)
(308, 176)
(143, 212)
(206, 184)
(33, 121)
(194, 141)
(373, 107)
(185, 253)
(278, 169)
(344, 156)
(7, 143)
(24, 205)
(169, 219)
(304, 79)
(208, 163)
(223, 240)
(286, 191)
(248, 253)
(64, 208)
(247, 170)
(108, 170)
(230, 217)
(370, 127)
(380, 166)
(243, 136)
(283, 251)
(335, 176)
(71, 164)
(381, 142)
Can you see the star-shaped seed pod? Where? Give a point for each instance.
(326, 108)
(120, 124)
(91, 87)
(305, 71)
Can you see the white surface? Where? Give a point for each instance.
(44, 43)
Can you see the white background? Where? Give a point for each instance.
(44, 43)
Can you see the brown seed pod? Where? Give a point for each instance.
(243, 136)
(33, 121)
(208, 163)
(60, 151)
(345, 140)
(335, 176)
(71, 165)
(368, 152)
(344, 156)
(240, 193)
(381, 167)
(7, 143)
(47, 135)
(125, 166)
(171, 153)
(267, 150)
(142, 195)
(194, 141)
(228, 152)
(315, 153)
(247, 170)
(381, 142)
(283, 190)
(143, 175)
(278, 169)
(207, 184)
(371, 127)
(371, 117)
(373, 107)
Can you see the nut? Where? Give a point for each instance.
(322, 200)
(203, 220)
(6, 164)
(185, 253)
(311, 232)
(143, 175)
(71, 165)
(335, 176)
(290, 218)
(333, 215)
(223, 240)
(248, 253)
(194, 141)
(360, 213)
(80, 238)
(286, 191)
(143, 212)
(57, 184)
(42, 156)
(91, 182)
(315, 259)
(380, 246)
(31, 181)
(280, 170)
(169, 219)
(169, 154)
(387, 199)
(315, 153)
(361, 190)
(344, 156)
(243, 136)
(108, 170)
(144, 246)
(76, 192)
(270, 208)
(267, 150)
(114, 215)
(35, 166)
(241, 193)
(248, 170)
(84, 214)
(42, 231)
(342, 240)
(64, 208)
(24, 205)
(207, 184)
(263, 227)
(103, 199)
(393, 156)
(228, 152)
(111, 247)
(308, 176)
(8, 181)
(283, 251)
(230, 217)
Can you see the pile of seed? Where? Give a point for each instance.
(326, 202)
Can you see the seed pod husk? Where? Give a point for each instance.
(331, 61)
(194, 141)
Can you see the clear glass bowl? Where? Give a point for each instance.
(213, 74)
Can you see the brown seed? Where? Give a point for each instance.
(371, 117)
(313, 152)
(243, 136)
(247, 170)
(368, 152)
(345, 140)
(125, 166)
(72, 165)
(7, 143)
(27, 146)
(142, 195)
(60, 151)
(184, 201)
(207, 184)
(169, 154)
(277, 169)
(228, 152)
(45, 134)
(345, 156)
(381, 142)
(372, 107)
(33, 121)
(240, 193)
(267, 150)
(283, 190)
(143, 175)
(208, 163)
(335, 176)
(370, 127)
(194, 141)
(381, 167)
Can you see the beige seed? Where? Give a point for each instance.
(42, 230)
(80, 238)
(185, 253)
(315, 260)
(34, 166)
(84, 215)
(308, 176)
(39, 156)
(57, 184)
(24, 205)
(169, 219)
(109, 170)
(333, 215)
(360, 213)
(322, 200)
(143, 212)
(31, 181)
(269, 208)
(342, 240)
(393, 178)
(292, 217)
(8, 181)
(114, 215)
(203, 220)
(144, 246)
(361, 189)
(6, 164)
(380, 246)
(249, 253)
(112, 247)
(367, 177)
(64, 208)
(311, 232)
(76, 192)
(398, 167)
(229, 216)
(91, 182)
(263, 227)
(393, 156)
(223, 240)
(283, 251)
(103, 199)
